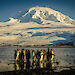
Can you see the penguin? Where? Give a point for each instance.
(45, 56)
(27, 55)
(27, 59)
(38, 58)
(34, 59)
(33, 56)
(18, 52)
(38, 55)
(52, 61)
(41, 59)
(24, 55)
(41, 56)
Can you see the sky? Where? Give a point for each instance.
(9, 8)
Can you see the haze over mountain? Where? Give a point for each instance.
(38, 26)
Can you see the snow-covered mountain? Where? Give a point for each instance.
(43, 15)
(38, 26)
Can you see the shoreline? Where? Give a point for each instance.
(38, 46)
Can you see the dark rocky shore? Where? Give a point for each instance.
(39, 72)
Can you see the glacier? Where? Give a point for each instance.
(38, 26)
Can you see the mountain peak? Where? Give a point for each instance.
(42, 15)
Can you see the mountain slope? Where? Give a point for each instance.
(38, 26)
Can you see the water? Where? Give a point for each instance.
(64, 58)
